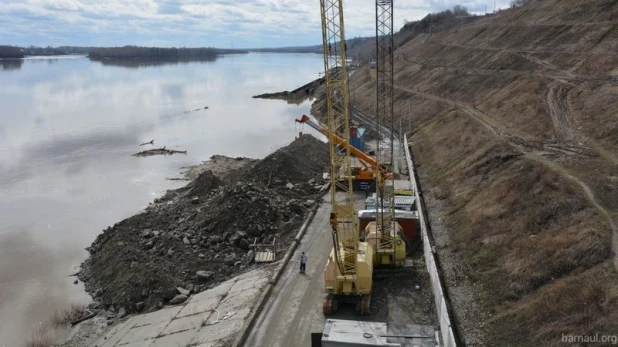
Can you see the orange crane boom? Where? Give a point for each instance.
(370, 165)
(365, 159)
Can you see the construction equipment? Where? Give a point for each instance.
(408, 220)
(364, 175)
(385, 235)
(349, 269)
(264, 253)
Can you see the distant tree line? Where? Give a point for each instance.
(20, 52)
(295, 49)
(523, 2)
(11, 52)
(432, 23)
(43, 51)
(62, 50)
(157, 53)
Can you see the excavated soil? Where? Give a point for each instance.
(139, 263)
(297, 95)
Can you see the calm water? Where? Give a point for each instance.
(68, 128)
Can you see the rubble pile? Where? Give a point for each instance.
(199, 235)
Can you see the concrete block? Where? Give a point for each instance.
(199, 306)
(144, 332)
(223, 330)
(186, 323)
(207, 344)
(219, 290)
(247, 284)
(145, 343)
(116, 333)
(166, 314)
(252, 274)
(239, 300)
(180, 339)
(239, 314)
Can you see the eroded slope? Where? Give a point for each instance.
(515, 131)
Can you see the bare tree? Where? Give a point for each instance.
(459, 10)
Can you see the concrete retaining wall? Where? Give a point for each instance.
(444, 318)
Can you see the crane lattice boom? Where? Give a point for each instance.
(385, 218)
(345, 231)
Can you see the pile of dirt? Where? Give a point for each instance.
(297, 95)
(199, 235)
(157, 151)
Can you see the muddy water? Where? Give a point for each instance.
(68, 128)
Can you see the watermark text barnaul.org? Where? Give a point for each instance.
(596, 338)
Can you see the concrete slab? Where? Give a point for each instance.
(241, 314)
(143, 332)
(115, 334)
(163, 315)
(180, 339)
(199, 307)
(186, 323)
(238, 301)
(245, 284)
(252, 274)
(181, 325)
(145, 343)
(228, 315)
(219, 290)
(220, 331)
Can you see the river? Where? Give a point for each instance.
(68, 129)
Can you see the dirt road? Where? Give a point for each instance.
(295, 307)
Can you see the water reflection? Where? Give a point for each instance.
(68, 131)
(11, 64)
(35, 284)
(139, 63)
(73, 151)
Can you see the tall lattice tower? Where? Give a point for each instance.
(338, 105)
(385, 216)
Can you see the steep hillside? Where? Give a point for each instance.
(514, 124)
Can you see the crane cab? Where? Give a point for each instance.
(389, 250)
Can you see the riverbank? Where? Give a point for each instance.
(297, 95)
(197, 236)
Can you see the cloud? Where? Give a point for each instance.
(221, 23)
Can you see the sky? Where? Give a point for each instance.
(197, 23)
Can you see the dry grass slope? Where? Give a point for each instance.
(516, 137)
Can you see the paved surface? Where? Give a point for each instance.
(207, 319)
(294, 309)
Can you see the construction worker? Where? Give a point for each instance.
(333, 221)
(303, 262)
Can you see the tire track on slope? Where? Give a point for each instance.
(591, 198)
(482, 71)
(560, 75)
(535, 150)
(564, 125)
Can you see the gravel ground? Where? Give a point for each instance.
(469, 316)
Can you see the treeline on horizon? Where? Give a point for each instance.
(11, 52)
(21, 52)
(126, 52)
(158, 53)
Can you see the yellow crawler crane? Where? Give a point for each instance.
(349, 270)
(385, 235)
